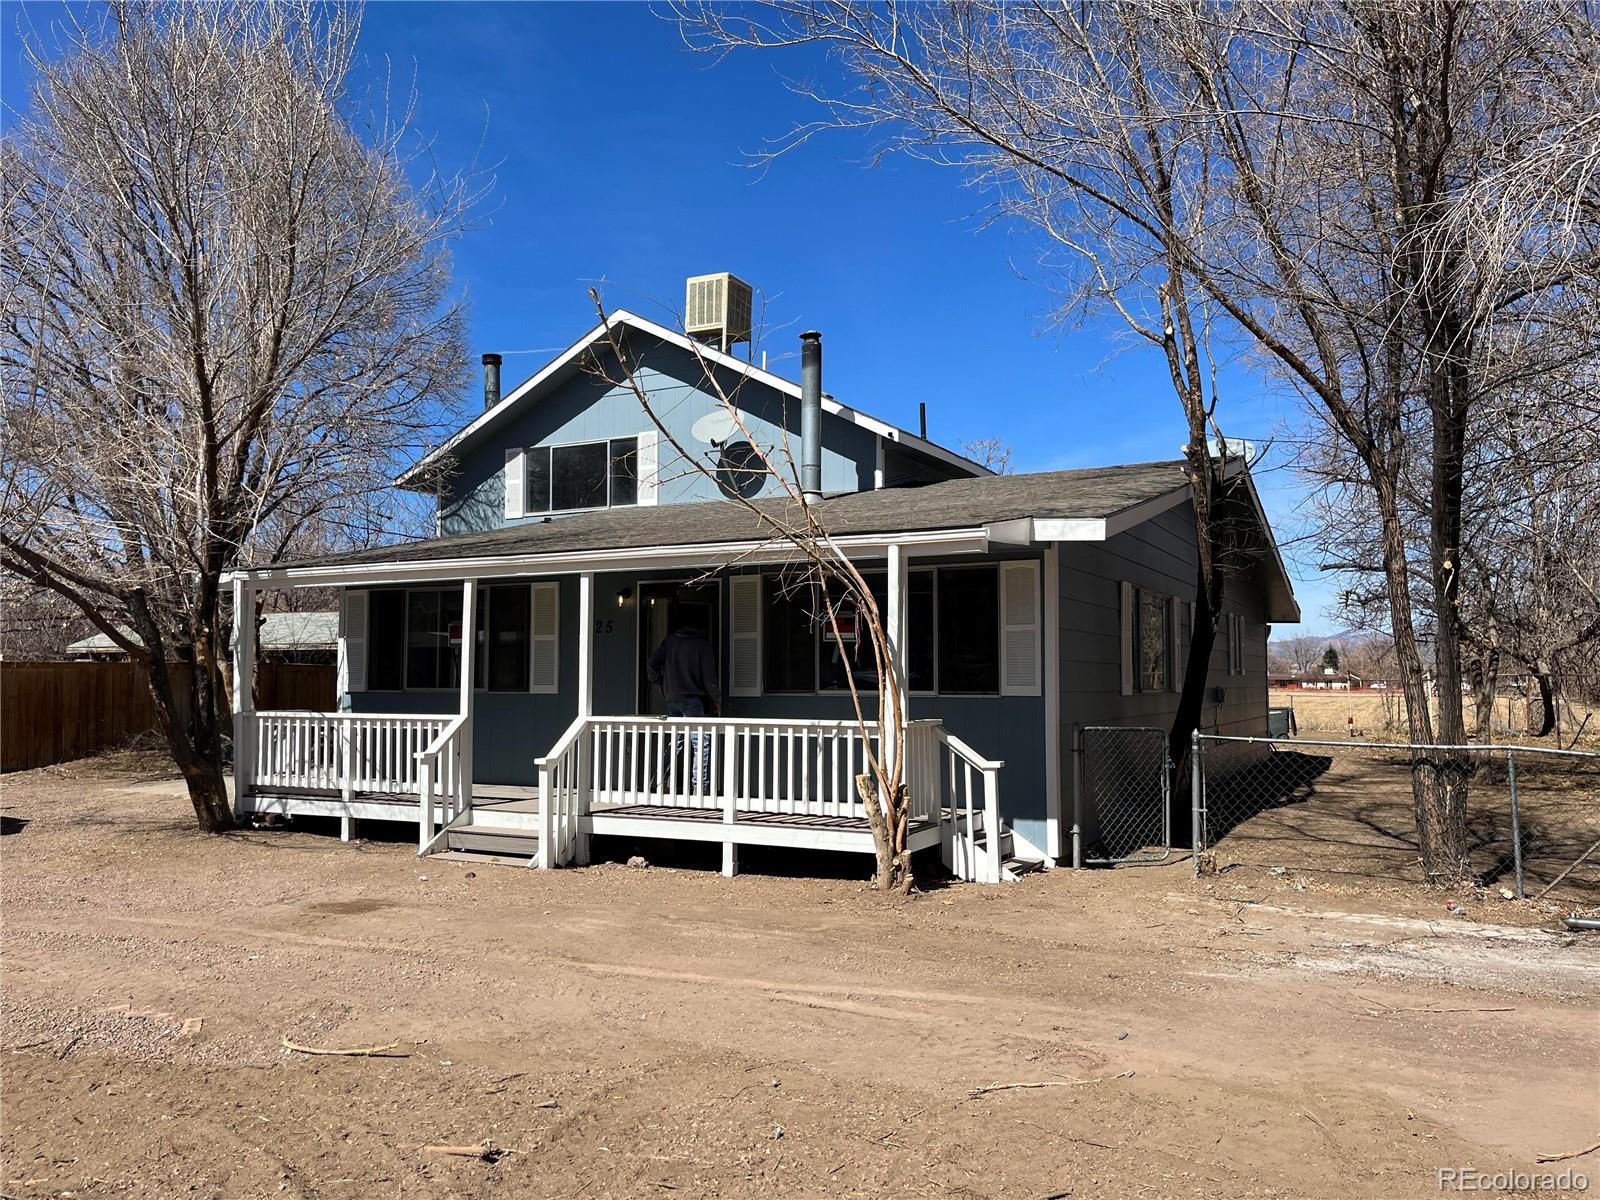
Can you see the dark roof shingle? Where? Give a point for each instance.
(955, 504)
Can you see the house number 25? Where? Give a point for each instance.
(604, 624)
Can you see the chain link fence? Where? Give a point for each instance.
(1348, 808)
(1124, 792)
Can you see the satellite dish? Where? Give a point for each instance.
(740, 471)
(715, 427)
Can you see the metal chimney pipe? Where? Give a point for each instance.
(811, 416)
(491, 381)
(922, 419)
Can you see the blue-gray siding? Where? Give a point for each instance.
(588, 408)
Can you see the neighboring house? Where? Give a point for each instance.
(1325, 680)
(291, 637)
(1025, 605)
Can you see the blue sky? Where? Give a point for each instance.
(621, 157)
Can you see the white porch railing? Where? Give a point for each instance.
(794, 768)
(443, 789)
(339, 752)
(768, 767)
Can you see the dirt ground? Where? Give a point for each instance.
(1345, 813)
(668, 1032)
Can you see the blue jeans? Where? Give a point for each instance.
(692, 706)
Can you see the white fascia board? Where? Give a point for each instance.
(1277, 556)
(1137, 514)
(711, 354)
(1016, 532)
(1069, 529)
(632, 558)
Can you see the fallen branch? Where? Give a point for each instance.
(1045, 1083)
(484, 1151)
(1581, 858)
(1569, 1154)
(350, 1052)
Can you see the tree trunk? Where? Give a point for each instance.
(1197, 665)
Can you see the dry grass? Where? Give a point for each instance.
(1382, 714)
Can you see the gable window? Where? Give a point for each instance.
(1152, 644)
(582, 475)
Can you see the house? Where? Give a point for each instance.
(570, 531)
(289, 637)
(1326, 680)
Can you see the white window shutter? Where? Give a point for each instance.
(744, 635)
(516, 483)
(1019, 629)
(1125, 623)
(353, 642)
(1176, 679)
(648, 464)
(544, 642)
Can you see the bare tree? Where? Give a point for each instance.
(1073, 119)
(822, 573)
(226, 315)
(991, 452)
(1287, 169)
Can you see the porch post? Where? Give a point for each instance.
(580, 847)
(895, 619)
(1052, 700)
(469, 655)
(244, 686)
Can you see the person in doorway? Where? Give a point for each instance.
(686, 668)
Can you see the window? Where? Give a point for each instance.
(921, 650)
(969, 631)
(386, 634)
(582, 475)
(431, 619)
(1152, 644)
(503, 623)
(851, 652)
(789, 653)
(952, 635)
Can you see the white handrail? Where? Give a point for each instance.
(563, 795)
(441, 782)
(963, 808)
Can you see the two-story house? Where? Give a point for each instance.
(493, 679)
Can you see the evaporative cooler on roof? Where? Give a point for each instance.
(717, 309)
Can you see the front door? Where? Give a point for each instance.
(660, 604)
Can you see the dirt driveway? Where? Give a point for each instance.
(672, 1033)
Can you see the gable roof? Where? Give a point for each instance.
(560, 367)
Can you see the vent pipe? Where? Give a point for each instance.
(922, 419)
(811, 416)
(491, 381)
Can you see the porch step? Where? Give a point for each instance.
(493, 839)
(482, 860)
(1021, 866)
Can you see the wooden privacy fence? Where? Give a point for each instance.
(52, 712)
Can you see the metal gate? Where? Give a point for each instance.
(1123, 800)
